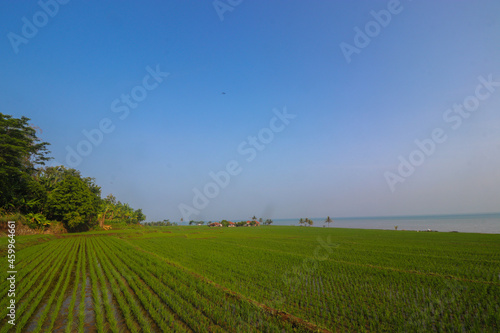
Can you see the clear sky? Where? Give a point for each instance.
(299, 108)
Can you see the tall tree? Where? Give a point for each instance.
(139, 215)
(108, 206)
(21, 151)
(328, 220)
(74, 203)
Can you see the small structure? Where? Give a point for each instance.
(215, 224)
(252, 224)
(231, 224)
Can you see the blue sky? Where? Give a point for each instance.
(348, 150)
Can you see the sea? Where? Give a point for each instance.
(478, 223)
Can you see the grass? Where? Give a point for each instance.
(103, 287)
(81, 309)
(24, 242)
(263, 279)
(63, 282)
(69, 325)
(34, 297)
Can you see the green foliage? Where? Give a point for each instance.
(164, 223)
(55, 193)
(111, 209)
(73, 203)
(139, 215)
(20, 153)
(17, 217)
(328, 220)
(306, 222)
(36, 220)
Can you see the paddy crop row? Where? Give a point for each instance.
(275, 279)
(361, 279)
(103, 283)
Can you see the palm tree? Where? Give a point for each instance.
(310, 222)
(328, 220)
(301, 221)
(108, 207)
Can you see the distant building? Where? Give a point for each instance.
(252, 224)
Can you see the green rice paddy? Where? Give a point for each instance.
(260, 279)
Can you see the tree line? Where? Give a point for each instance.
(164, 223)
(43, 194)
(308, 222)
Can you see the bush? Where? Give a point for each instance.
(36, 220)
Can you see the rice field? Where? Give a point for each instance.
(264, 279)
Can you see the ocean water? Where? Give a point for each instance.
(481, 223)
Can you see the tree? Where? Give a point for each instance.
(70, 198)
(54, 193)
(21, 151)
(268, 222)
(73, 203)
(306, 221)
(139, 215)
(127, 213)
(254, 218)
(260, 220)
(108, 206)
(328, 220)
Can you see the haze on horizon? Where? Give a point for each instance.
(288, 109)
